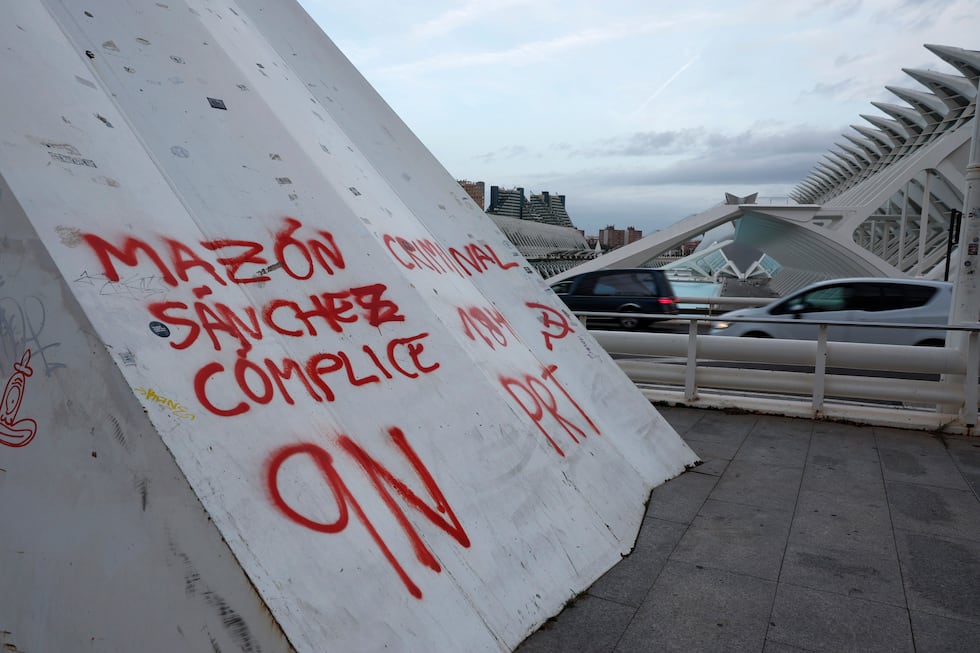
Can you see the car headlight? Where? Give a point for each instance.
(722, 325)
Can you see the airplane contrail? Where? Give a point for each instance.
(665, 84)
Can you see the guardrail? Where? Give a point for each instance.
(708, 305)
(891, 385)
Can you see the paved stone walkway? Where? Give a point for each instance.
(794, 535)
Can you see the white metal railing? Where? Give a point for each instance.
(894, 385)
(709, 305)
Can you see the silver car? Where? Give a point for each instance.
(873, 299)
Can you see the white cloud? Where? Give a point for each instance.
(455, 18)
(528, 53)
(640, 104)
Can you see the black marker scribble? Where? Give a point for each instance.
(135, 286)
(21, 327)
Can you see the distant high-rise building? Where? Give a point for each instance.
(510, 203)
(611, 237)
(542, 207)
(540, 229)
(476, 190)
(550, 209)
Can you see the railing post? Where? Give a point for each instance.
(820, 369)
(690, 370)
(970, 389)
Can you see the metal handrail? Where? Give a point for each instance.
(725, 303)
(895, 385)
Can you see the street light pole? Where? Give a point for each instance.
(966, 292)
(966, 287)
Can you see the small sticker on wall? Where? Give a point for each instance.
(160, 329)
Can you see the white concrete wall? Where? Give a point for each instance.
(104, 545)
(451, 456)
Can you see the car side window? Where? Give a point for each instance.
(562, 287)
(867, 297)
(894, 297)
(602, 288)
(833, 298)
(628, 284)
(586, 286)
(876, 297)
(649, 282)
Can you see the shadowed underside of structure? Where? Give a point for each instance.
(272, 380)
(877, 205)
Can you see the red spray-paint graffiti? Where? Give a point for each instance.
(490, 325)
(261, 383)
(392, 491)
(422, 254)
(549, 409)
(556, 326)
(493, 329)
(217, 325)
(298, 258)
(286, 317)
(16, 432)
(233, 385)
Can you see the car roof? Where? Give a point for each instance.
(896, 280)
(615, 270)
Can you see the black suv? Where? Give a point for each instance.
(629, 291)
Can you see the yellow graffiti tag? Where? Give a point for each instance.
(177, 409)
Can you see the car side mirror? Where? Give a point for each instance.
(797, 308)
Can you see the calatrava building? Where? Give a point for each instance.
(879, 203)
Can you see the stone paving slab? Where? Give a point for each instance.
(839, 473)
(942, 575)
(680, 499)
(735, 537)
(629, 581)
(966, 454)
(818, 621)
(759, 484)
(794, 535)
(694, 608)
(934, 633)
(872, 575)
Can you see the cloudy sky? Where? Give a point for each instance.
(640, 112)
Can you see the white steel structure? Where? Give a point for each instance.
(878, 205)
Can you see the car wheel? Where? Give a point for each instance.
(630, 322)
(931, 343)
(757, 334)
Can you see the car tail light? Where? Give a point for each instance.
(667, 300)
